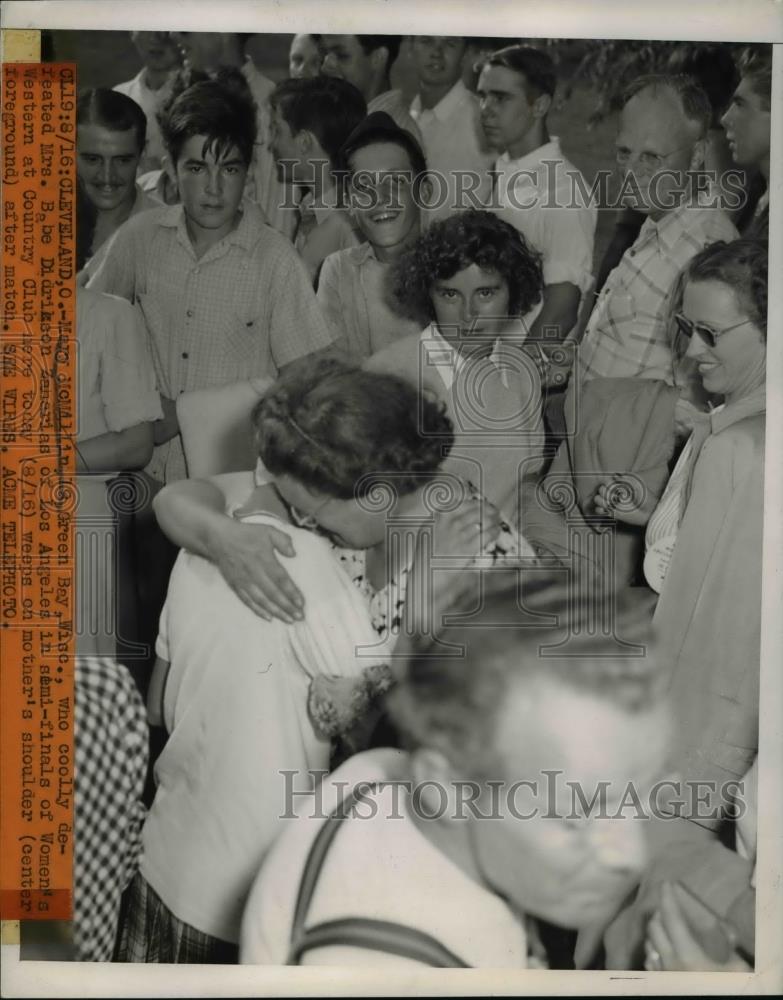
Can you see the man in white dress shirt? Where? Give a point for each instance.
(447, 115)
(150, 88)
(537, 190)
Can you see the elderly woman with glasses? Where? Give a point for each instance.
(704, 549)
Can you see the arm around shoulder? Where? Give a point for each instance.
(192, 514)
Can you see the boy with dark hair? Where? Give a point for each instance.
(385, 168)
(516, 88)
(311, 119)
(224, 297)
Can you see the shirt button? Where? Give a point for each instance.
(189, 312)
(632, 253)
(184, 354)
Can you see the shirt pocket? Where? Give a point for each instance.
(244, 340)
(620, 309)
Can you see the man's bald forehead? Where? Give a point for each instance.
(665, 105)
(677, 98)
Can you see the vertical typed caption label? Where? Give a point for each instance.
(38, 495)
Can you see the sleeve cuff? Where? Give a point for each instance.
(121, 416)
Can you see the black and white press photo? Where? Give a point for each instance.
(423, 614)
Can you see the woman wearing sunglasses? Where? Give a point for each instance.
(704, 558)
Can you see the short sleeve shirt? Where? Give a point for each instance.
(354, 295)
(453, 141)
(541, 195)
(116, 381)
(242, 310)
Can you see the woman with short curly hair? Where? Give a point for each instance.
(471, 280)
(472, 241)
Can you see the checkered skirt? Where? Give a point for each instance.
(110, 766)
(151, 933)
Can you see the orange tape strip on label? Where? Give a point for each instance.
(37, 459)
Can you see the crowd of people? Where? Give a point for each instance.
(394, 449)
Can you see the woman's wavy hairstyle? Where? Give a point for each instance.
(338, 430)
(742, 265)
(449, 246)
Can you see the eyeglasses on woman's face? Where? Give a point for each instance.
(708, 334)
(299, 517)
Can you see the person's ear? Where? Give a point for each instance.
(424, 193)
(170, 172)
(379, 60)
(469, 56)
(541, 105)
(698, 155)
(305, 142)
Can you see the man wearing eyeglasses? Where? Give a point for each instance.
(660, 143)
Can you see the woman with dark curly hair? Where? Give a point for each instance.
(471, 279)
(490, 259)
(248, 701)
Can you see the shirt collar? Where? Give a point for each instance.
(362, 253)
(446, 106)
(731, 413)
(143, 202)
(447, 359)
(670, 227)
(549, 151)
(244, 236)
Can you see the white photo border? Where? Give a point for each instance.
(704, 20)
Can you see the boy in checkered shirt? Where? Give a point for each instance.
(224, 297)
